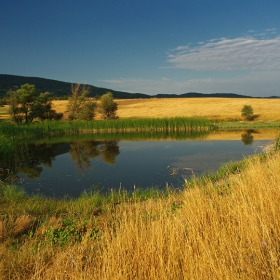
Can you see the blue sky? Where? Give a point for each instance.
(147, 46)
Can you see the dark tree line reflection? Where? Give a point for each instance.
(29, 159)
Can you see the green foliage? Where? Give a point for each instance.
(26, 105)
(87, 112)
(247, 112)
(42, 108)
(78, 106)
(108, 106)
(39, 129)
(70, 233)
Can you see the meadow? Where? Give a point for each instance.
(217, 109)
(213, 109)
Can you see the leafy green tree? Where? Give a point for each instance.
(247, 112)
(42, 108)
(21, 102)
(87, 112)
(26, 105)
(108, 106)
(27, 97)
(15, 109)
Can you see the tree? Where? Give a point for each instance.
(77, 100)
(87, 112)
(108, 106)
(27, 96)
(247, 112)
(26, 105)
(42, 108)
(15, 108)
(21, 102)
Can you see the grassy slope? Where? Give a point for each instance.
(211, 108)
(220, 109)
(223, 229)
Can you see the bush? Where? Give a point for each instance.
(108, 106)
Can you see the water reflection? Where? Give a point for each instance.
(30, 159)
(59, 166)
(82, 152)
(248, 137)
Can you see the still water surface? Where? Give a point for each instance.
(70, 168)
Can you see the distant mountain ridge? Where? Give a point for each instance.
(62, 89)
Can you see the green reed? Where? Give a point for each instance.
(122, 125)
(118, 136)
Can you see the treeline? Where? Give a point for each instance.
(26, 104)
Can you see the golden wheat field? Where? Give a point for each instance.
(220, 109)
(210, 108)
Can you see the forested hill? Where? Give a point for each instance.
(56, 88)
(62, 89)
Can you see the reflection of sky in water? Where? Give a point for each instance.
(140, 163)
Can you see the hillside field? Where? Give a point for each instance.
(210, 108)
(219, 109)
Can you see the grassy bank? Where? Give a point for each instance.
(246, 125)
(225, 226)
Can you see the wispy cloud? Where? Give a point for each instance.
(242, 53)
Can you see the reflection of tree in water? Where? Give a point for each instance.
(247, 137)
(37, 154)
(81, 152)
(27, 159)
(109, 151)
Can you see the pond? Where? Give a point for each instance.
(59, 167)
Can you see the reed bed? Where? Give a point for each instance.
(126, 125)
(222, 228)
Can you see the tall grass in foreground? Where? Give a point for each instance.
(199, 233)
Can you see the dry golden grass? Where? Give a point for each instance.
(211, 108)
(228, 231)
(4, 112)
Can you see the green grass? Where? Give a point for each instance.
(246, 125)
(15, 201)
(125, 125)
